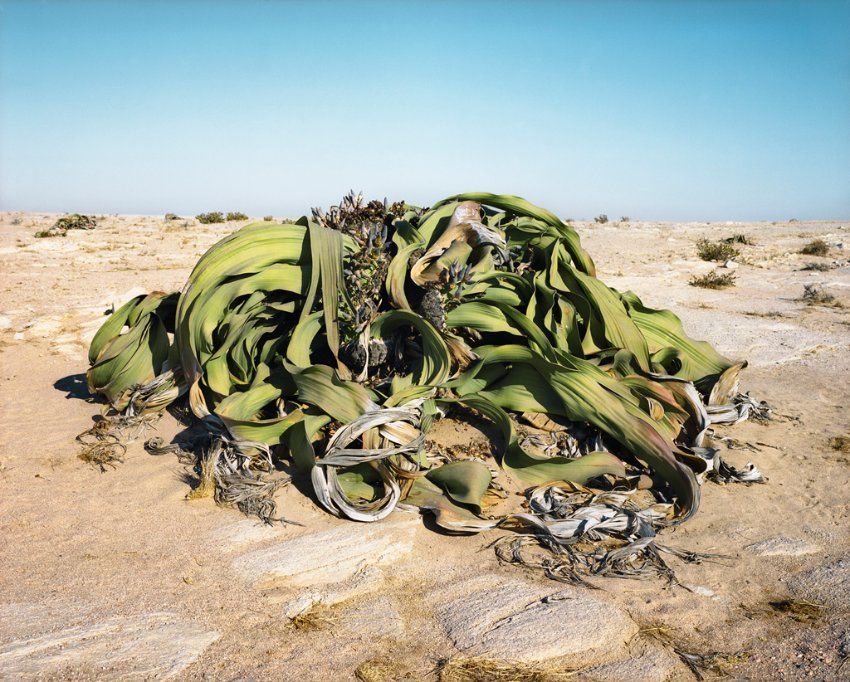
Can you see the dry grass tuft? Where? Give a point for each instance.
(713, 280)
(657, 631)
(377, 670)
(716, 251)
(819, 267)
(815, 294)
(103, 453)
(101, 446)
(317, 617)
(840, 444)
(770, 314)
(487, 670)
(718, 663)
(801, 611)
(816, 247)
(206, 477)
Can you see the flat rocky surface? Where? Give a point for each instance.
(825, 584)
(147, 645)
(653, 664)
(331, 556)
(782, 547)
(116, 575)
(498, 617)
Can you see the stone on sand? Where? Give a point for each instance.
(244, 532)
(827, 584)
(781, 546)
(152, 645)
(511, 619)
(652, 665)
(330, 556)
(299, 600)
(374, 619)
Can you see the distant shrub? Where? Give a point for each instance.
(17, 220)
(819, 267)
(624, 219)
(75, 221)
(601, 219)
(60, 228)
(713, 280)
(52, 232)
(171, 216)
(269, 218)
(818, 247)
(739, 239)
(209, 218)
(815, 294)
(716, 251)
(236, 215)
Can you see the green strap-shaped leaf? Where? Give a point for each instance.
(522, 207)
(680, 355)
(465, 481)
(435, 365)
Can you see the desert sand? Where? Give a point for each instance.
(115, 574)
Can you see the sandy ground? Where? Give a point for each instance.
(116, 575)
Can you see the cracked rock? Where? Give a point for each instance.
(652, 665)
(516, 620)
(782, 546)
(244, 532)
(152, 645)
(330, 556)
(826, 584)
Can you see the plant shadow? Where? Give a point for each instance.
(75, 387)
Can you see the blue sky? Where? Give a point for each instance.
(669, 110)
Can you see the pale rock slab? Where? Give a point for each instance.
(374, 619)
(149, 645)
(22, 620)
(511, 619)
(330, 556)
(652, 665)
(701, 590)
(44, 327)
(245, 532)
(828, 584)
(360, 584)
(782, 546)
